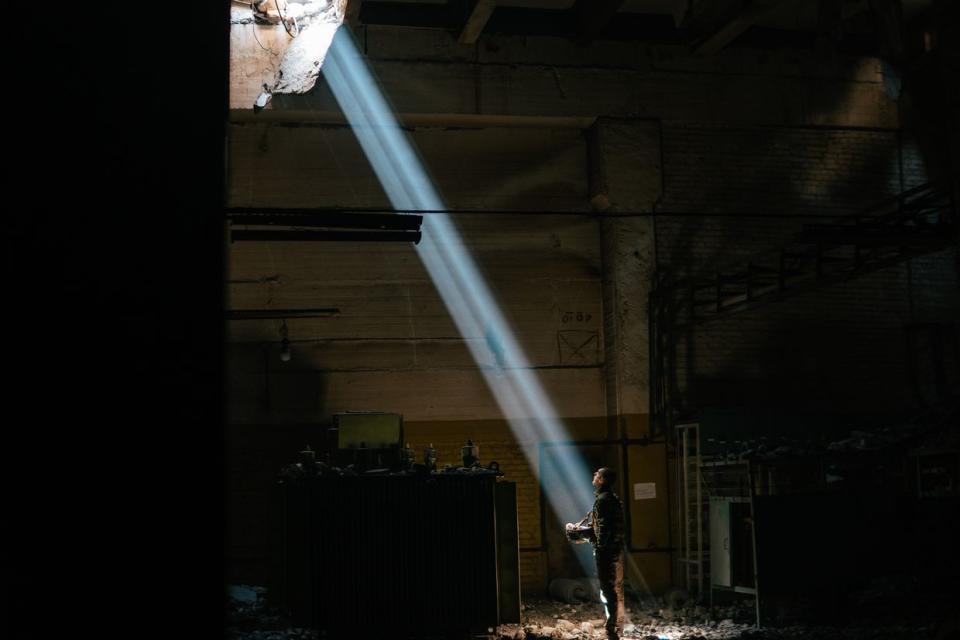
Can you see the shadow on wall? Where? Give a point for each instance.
(804, 363)
(762, 172)
(254, 455)
(274, 411)
(771, 172)
(261, 387)
(768, 171)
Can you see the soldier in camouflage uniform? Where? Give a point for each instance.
(607, 519)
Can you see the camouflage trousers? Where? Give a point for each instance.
(610, 575)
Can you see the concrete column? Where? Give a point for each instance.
(625, 184)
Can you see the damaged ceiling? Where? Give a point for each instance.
(278, 47)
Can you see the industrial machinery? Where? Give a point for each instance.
(418, 554)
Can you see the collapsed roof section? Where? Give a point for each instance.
(278, 46)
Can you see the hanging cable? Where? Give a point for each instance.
(283, 21)
(270, 51)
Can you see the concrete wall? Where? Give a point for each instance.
(393, 346)
(758, 131)
(393, 333)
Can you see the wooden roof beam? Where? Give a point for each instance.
(735, 25)
(593, 16)
(352, 15)
(479, 15)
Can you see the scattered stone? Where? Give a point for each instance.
(243, 593)
(512, 632)
(566, 626)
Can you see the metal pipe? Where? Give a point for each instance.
(323, 218)
(753, 536)
(279, 314)
(325, 236)
(699, 515)
(686, 508)
(413, 120)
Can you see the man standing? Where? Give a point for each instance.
(607, 516)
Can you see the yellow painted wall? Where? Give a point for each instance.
(518, 460)
(637, 425)
(649, 516)
(650, 573)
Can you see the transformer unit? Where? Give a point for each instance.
(414, 555)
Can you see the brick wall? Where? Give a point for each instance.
(776, 169)
(841, 348)
(533, 572)
(391, 342)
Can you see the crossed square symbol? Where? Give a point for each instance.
(577, 346)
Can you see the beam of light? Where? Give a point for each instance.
(464, 291)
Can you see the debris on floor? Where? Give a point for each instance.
(651, 618)
(244, 593)
(648, 619)
(250, 617)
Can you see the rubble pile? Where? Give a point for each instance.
(653, 619)
(647, 618)
(249, 617)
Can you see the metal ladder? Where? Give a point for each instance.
(691, 506)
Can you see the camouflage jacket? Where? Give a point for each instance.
(607, 522)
